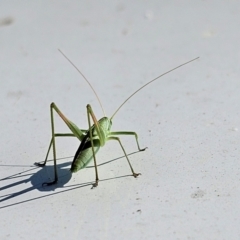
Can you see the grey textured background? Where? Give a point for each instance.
(189, 119)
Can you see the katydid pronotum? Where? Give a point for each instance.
(95, 136)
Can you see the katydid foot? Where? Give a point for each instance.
(39, 164)
(95, 184)
(136, 174)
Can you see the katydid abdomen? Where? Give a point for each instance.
(84, 154)
(99, 135)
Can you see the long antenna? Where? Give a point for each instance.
(85, 80)
(151, 82)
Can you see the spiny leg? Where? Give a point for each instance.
(116, 138)
(128, 133)
(54, 151)
(96, 125)
(75, 132)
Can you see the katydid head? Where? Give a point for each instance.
(105, 122)
(101, 130)
(149, 83)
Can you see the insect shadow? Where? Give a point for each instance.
(35, 178)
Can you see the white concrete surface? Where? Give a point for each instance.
(189, 119)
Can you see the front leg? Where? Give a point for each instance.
(117, 139)
(129, 133)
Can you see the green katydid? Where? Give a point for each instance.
(95, 136)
